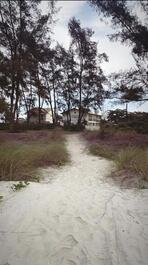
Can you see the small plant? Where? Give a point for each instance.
(103, 151)
(37, 178)
(1, 197)
(21, 162)
(20, 185)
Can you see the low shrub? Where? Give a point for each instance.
(1, 198)
(127, 149)
(74, 127)
(102, 151)
(20, 127)
(133, 159)
(20, 162)
(4, 126)
(20, 185)
(137, 126)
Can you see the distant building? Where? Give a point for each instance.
(91, 120)
(21, 120)
(45, 116)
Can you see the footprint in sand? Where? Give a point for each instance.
(80, 220)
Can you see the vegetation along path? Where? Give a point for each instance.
(74, 217)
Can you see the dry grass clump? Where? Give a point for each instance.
(133, 159)
(42, 136)
(103, 151)
(20, 161)
(127, 149)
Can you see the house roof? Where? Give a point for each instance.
(66, 111)
(35, 111)
(86, 110)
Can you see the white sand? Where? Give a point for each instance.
(74, 217)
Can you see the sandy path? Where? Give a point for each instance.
(74, 217)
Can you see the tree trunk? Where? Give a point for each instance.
(39, 114)
(126, 109)
(80, 93)
(55, 106)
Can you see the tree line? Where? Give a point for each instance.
(132, 85)
(32, 72)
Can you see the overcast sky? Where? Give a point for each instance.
(120, 57)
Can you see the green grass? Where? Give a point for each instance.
(21, 161)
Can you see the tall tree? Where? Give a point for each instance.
(23, 38)
(90, 76)
(134, 32)
(67, 88)
(131, 30)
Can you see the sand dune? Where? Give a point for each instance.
(74, 217)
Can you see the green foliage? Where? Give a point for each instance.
(74, 127)
(89, 90)
(129, 94)
(20, 185)
(23, 25)
(21, 161)
(24, 127)
(136, 121)
(138, 126)
(116, 116)
(130, 29)
(4, 109)
(37, 178)
(1, 197)
(3, 106)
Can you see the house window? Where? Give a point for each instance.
(42, 117)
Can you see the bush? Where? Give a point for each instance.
(20, 185)
(24, 127)
(133, 159)
(137, 126)
(127, 149)
(74, 127)
(4, 126)
(102, 151)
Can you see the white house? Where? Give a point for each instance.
(46, 115)
(91, 120)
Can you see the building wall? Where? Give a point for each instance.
(93, 120)
(35, 119)
(93, 126)
(48, 117)
(74, 116)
